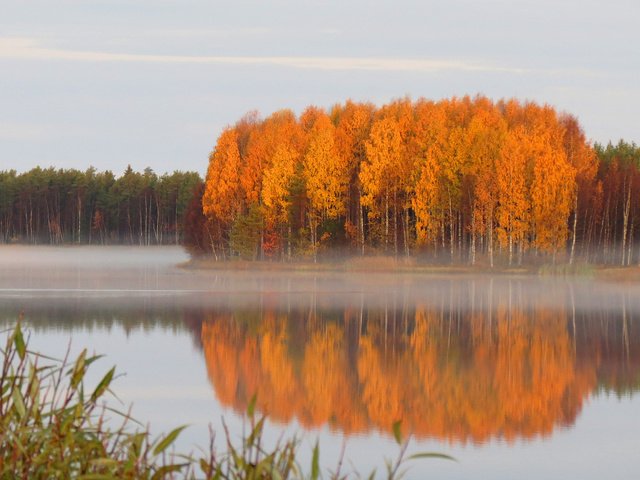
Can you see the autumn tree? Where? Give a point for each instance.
(386, 172)
(553, 183)
(325, 175)
(485, 135)
(582, 157)
(452, 177)
(221, 202)
(222, 194)
(514, 207)
(353, 124)
(430, 141)
(281, 165)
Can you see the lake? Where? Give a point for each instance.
(514, 376)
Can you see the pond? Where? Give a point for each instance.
(514, 376)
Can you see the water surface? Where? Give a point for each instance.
(516, 377)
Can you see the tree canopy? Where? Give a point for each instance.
(58, 206)
(460, 180)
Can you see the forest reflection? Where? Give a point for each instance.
(474, 366)
(464, 359)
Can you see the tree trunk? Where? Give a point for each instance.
(451, 227)
(575, 226)
(473, 237)
(460, 237)
(386, 221)
(630, 251)
(361, 221)
(625, 222)
(406, 232)
(79, 217)
(175, 220)
(158, 229)
(395, 224)
(490, 241)
(510, 248)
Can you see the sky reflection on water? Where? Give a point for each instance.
(515, 377)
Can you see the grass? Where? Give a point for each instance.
(53, 427)
(566, 269)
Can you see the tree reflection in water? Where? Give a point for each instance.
(460, 359)
(476, 365)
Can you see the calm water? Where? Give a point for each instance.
(516, 377)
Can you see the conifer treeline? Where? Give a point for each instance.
(462, 180)
(70, 206)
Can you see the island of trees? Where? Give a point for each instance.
(465, 180)
(53, 206)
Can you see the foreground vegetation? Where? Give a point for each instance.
(461, 180)
(51, 426)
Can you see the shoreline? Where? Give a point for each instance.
(370, 265)
(348, 265)
(389, 265)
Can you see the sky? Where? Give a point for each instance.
(152, 83)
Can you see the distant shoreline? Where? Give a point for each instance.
(411, 266)
(373, 265)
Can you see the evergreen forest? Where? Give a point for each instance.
(50, 206)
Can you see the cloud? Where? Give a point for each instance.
(30, 49)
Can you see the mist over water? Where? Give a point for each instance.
(483, 367)
(21, 257)
(156, 272)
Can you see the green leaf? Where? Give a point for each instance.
(92, 359)
(256, 433)
(103, 462)
(205, 466)
(18, 341)
(275, 475)
(315, 463)
(103, 385)
(397, 431)
(168, 440)
(431, 455)
(78, 370)
(19, 403)
(251, 408)
(34, 381)
(163, 471)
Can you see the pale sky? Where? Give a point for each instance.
(153, 82)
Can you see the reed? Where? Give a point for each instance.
(53, 427)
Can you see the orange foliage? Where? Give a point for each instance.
(510, 372)
(553, 186)
(430, 142)
(222, 194)
(514, 210)
(466, 171)
(325, 170)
